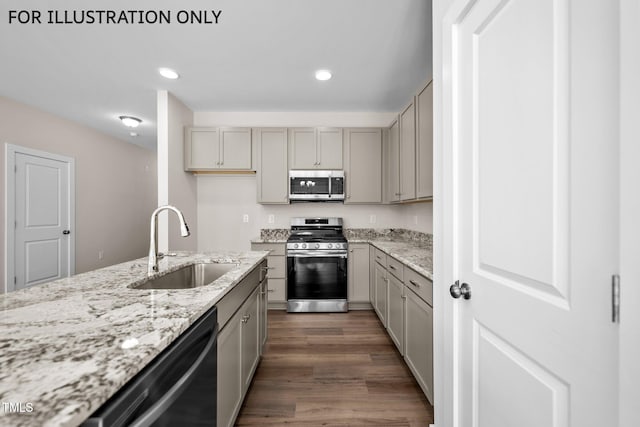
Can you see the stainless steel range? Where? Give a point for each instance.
(317, 266)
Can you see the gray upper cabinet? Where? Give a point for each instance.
(408, 153)
(393, 163)
(424, 143)
(363, 165)
(271, 165)
(315, 148)
(211, 149)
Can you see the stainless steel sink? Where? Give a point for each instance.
(191, 276)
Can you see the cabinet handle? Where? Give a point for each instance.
(271, 290)
(416, 284)
(403, 297)
(392, 267)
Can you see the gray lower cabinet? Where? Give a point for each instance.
(263, 314)
(372, 272)
(363, 165)
(277, 273)
(395, 311)
(358, 273)
(380, 283)
(271, 165)
(419, 341)
(239, 345)
(403, 301)
(250, 333)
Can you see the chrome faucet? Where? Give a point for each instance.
(153, 239)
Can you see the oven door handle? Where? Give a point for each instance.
(316, 254)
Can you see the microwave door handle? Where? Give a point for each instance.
(153, 413)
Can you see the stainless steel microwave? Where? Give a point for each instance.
(316, 186)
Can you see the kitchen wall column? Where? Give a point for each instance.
(175, 186)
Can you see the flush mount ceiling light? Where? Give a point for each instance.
(131, 122)
(168, 73)
(323, 75)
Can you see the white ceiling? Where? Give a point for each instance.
(260, 57)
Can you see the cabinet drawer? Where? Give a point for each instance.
(275, 290)
(277, 267)
(395, 267)
(274, 248)
(422, 286)
(381, 257)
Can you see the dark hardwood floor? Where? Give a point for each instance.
(335, 369)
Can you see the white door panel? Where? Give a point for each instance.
(534, 345)
(40, 210)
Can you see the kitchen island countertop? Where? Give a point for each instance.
(61, 352)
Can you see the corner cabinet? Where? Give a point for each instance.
(393, 163)
(363, 165)
(424, 143)
(217, 149)
(407, 165)
(276, 273)
(358, 275)
(271, 165)
(315, 148)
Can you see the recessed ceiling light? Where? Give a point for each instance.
(131, 122)
(133, 134)
(168, 73)
(323, 75)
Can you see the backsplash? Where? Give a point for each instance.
(274, 234)
(388, 234)
(282, 234)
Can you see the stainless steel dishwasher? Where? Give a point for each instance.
(178, 388)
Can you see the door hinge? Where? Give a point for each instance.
(15, 280)
(615, 298)
(15, 168)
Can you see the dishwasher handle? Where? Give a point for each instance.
(158, 408)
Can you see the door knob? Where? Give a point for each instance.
(456, 290)
(66, 231)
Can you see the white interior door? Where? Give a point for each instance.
(42, 215)
(530, 221)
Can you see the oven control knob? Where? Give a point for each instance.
(303, 246)
(329, 245)
(295, 246)
(317, 245)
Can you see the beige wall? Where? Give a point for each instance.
(175, 186)
(222, 200)
(115, 183)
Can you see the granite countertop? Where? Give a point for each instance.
(410, 248)
(61, 354)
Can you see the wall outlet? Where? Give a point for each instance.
(100, 255)
(372, 219)
(245, 218)
(271, 219)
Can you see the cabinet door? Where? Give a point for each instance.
(263, 316)
(250, 354)
(302, 148)
(395, 318)
(358, 272)
(372, 276)
(381, 293)
(424, 143)
(201, 148)
(229, 371)
(363, 165)
(271, 168)
(419, 341)
(277, 290)
(408, 153)
(329, 148)
(235, 148)
(393, 163)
